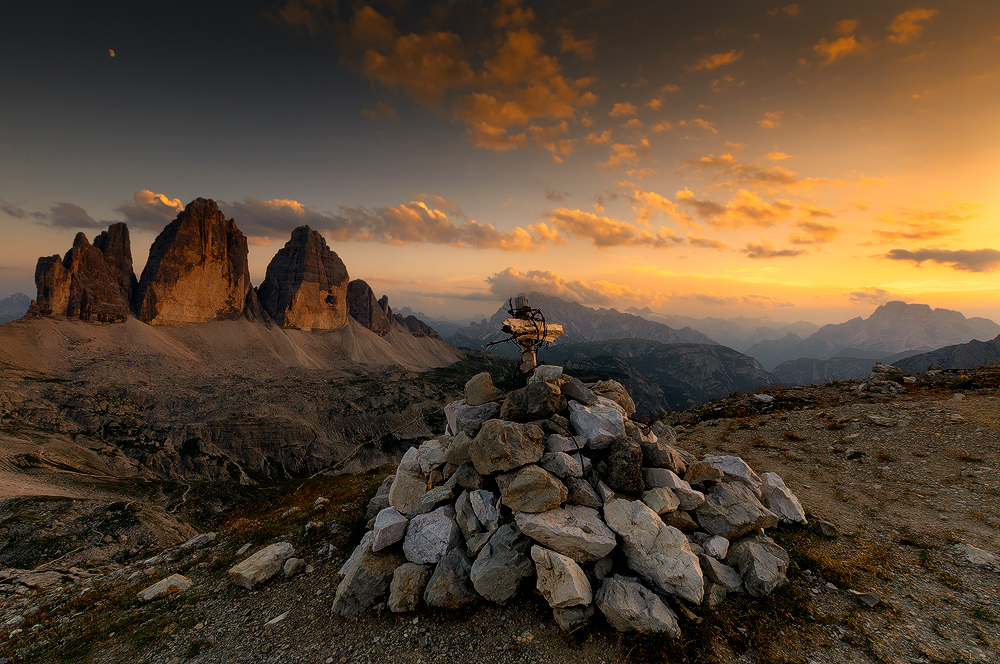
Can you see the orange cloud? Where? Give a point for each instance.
(908, 25)
(814, 233)
(726, 82)
(661, 126)
(771, 119)
(706, 243)
(606, 232)
(745, 209)
(626, 153)
(777, 156)
(844, 45)
(727, 167)
(598, 139)
(921, 225)
(787, 10)
(654, 104)
(150, 211)
(965, 260)
(622, 109)
(764, 250)
(649, 204)
(700, 124)
(581, 47)
(424, 66)
(716, 60)
(511, 282)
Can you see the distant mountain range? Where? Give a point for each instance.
(892, 328)
(960, 356)
(581, 324)
(13, 307)
(739, 333)
(680, 374)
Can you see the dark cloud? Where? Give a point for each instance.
(870, 296)
(67, 215)
(765, 250)
(556, 196)
(966, 260)
(149, 211)
(12, 210)
(814, 233)
(511, 281)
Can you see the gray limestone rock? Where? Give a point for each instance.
(599, 424)
(458, 449)
(560, 580)
(760, 562)
(658, 552)
(480, 389)
(449, 586)
(463, 418)
(573, 530)
(716, 546)
(503, 446)
(366, 577)
(503, 565)
(467, 477)
(431, 455)
(409, 484)
(171, 585)
(581, 493)
(661, 500)
(430, 536)
(262, 565)
(720, 573)
(531, 489)
(390, 527)
(735, 469)
(408, 583)
(561, 465)
(780, 500)
(484, 505)
(571, 618)
(732, 510)
(536, 401)
(466, 517)
(631, 607)
(612, 389)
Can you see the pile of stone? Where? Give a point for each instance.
(553, 487)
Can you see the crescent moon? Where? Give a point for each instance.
(111, 52)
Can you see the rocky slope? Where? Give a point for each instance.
(686, 374)
(91, 282)
(892, 328)
(368, 310)
(13, 307)
(959, 356)
(197, 271)
(581, 324)
(306, 284)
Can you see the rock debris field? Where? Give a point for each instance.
(545, 526)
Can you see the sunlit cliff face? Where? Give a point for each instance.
(765, 159)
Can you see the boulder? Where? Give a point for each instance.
(780, 500)
(625, 465)
(531, 489)
(503, 446)
(390, 528)
(430, 536)
(716, 546)
(449, 586)
(572, 388)
(463, 418)
(681, 520)
(457, 450)
(197, 271)
(760, 562)
(631, 607)
(582, 493)
(480, 389)
(546, 373)
(560, 580)
(658, 552)
(171, 585)
(363, 307)
(573, 530)
(409, 484)
(661, 500)
(667, 479)
(536, 401)
(262, 565)
(502, 565)
(720, 573)
(431, 455)
(306, 284)
(561, 465)
(657, 453)
(365, 577)
(702, 475)
(408, 583)
(735, 469)
(731, 509)
(613, 390)
(599, 424)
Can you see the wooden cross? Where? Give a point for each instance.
(528, 332)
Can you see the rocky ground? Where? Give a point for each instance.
(911, 480)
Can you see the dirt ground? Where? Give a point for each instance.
(909, 480)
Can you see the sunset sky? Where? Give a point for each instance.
(797, 161)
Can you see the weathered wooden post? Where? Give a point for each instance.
(530, 330)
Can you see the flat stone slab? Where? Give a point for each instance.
(573, 530)
(503, 565)
(731, 509)
(171, 585)
(262, 565)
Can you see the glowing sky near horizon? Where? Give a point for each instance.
(803, 160)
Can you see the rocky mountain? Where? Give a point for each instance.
(809, 371)
(685, 374)
(959, 356)
(739, 333)
(581, 324)
(892, 328)
(13, 307)
(197, 271)
(306, 285)
(365, 308)
(444, 326)
(91, 282)
(415, 326)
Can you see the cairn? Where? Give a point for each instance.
(553, 487)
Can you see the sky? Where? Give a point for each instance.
(806, 160)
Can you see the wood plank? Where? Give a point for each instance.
(529, 329)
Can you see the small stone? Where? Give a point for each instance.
(731, 510)
(484, 505)
(407, 586)
(262, 565)
(599, 424)
(294, 567)
(409, 484)
(561, 465)
(198, 541)
(503, 565)
(390, 527)
(431, 456)
(625, 464)
(615, 391)
(703, 475)
(536, 401)
(468, 419)
(430, 536)
(581, 493)
(720, 573)
(571, 618)
(760, 562)
(467, 477)
(716, 546)
(174, 583)
(531, 489)
(978, 556)
(366, 577)
(824, 528)
(735, 469)
(546, 373)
